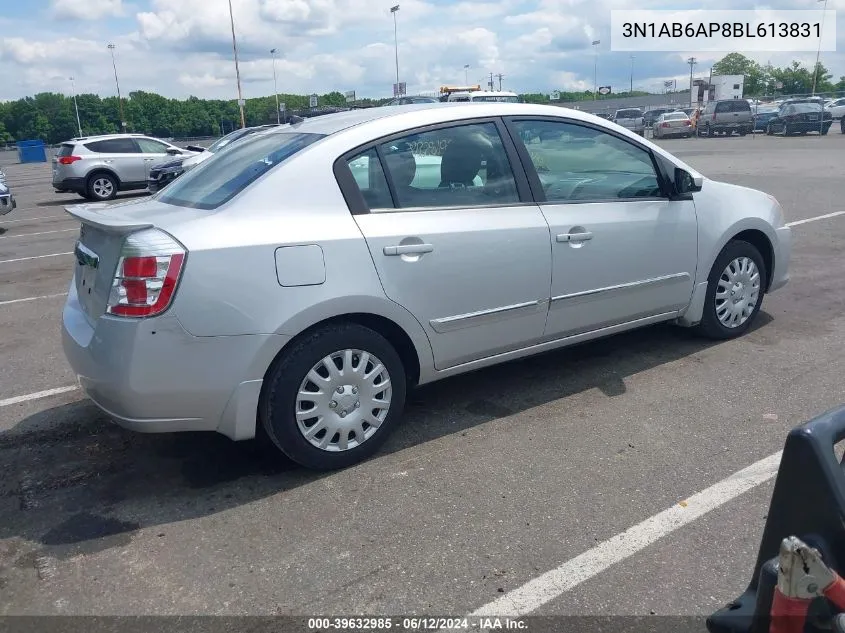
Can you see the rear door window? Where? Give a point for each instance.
(225, 175)
(114, 146)
(65, 150)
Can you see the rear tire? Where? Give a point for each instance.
(101, 186)
(711, 325)
(289, 379)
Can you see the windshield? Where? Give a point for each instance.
(223, 176)
(499, 98)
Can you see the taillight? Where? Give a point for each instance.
(67, 160)
(687, 123)
(714, 116)
(147, 274)
(665, 125)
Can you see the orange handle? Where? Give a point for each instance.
(788, 614)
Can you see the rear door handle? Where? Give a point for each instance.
(408, 249)
(574, 237)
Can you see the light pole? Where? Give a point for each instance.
(119, 99)
(394, 11)
(632, 75)
(75, 106)
(819, 51)
(692, 61)
(275, 87)
(596, 70)
(466, 74)
(237, 68)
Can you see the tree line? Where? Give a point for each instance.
(51, 117)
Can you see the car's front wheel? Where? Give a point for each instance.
(735, 290)
(333, 398)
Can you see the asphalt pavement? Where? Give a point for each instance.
(493, 479)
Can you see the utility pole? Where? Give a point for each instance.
(819, 51)
(394, 10)
(466, 74)
(276, 87)
(499, 77)
(632, 74)
(596, 70)
(237, 67)
(692, 61)
(119, 99)
(490, 83)
(76, 106)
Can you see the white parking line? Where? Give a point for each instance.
(818, 217)
(11, 301)
(37, 395)
(7, 237)
(43, 217)
(23, 259)
(537, 592)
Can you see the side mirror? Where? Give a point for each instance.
(686, 183)
(173, 151)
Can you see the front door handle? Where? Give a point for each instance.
(574, 237)
(408, 249)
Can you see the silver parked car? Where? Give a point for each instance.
(98, 167)
(7, 200)
(302, 281)
(632, 119)
(671, 124)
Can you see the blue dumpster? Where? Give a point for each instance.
(32, 152)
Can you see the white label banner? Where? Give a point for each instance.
(717, 31)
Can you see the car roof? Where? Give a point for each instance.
(102, 137)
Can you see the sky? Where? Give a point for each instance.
(180, 48)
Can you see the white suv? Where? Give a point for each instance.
(97, 167)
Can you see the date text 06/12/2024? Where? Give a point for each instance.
(491, 623)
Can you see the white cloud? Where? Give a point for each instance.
(86, 9)
(181, 47)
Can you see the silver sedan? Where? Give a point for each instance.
(299, 284)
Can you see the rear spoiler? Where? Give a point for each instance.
(91, 214)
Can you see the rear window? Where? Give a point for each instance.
(629, 114)
(741, 105)
(675, 116)
(223, 176)
(800, 108)
(65, 150)
(114, 146)
(498, 98)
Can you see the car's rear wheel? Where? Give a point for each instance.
(787, 131)
(842, 125)
(769, 131)
(334, 397)
(101, 186)
(735, 290)
(825, 130)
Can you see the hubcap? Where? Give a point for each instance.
(103, 187)
(737, 292)
(343, 400)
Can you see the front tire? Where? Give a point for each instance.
(735, 289)
(332, 400)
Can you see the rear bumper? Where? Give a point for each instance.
(151, 376)
(77, 185)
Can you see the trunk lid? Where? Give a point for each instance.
(97, 250)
